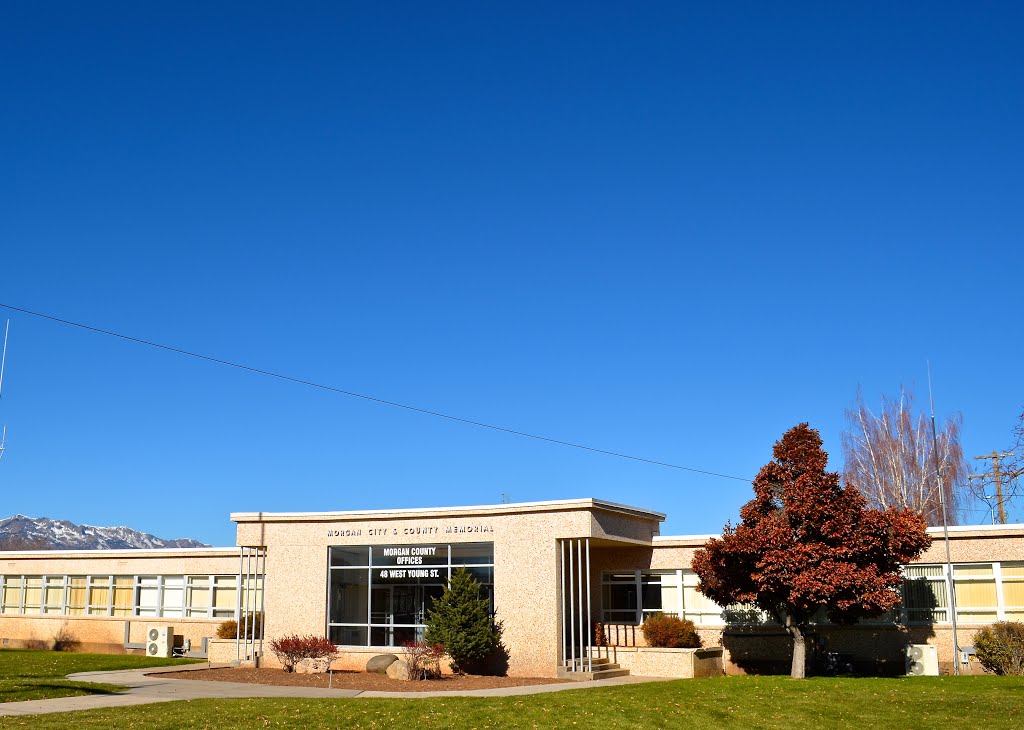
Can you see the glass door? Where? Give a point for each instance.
(381, 617)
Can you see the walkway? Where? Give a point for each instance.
(146, 686)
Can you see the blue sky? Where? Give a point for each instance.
(667, 229)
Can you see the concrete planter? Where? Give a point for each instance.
(642, 661)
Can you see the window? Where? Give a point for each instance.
(33, 593)
(925, 594)
(976, 597)
(225, 596)
(381, 595)
(172, 596)
(197, 596)
(1013, 591)
(632, 597)
(77, 588)
(696, 606)
(148, 595)
(53, 594)
(12, 594)
(99, 595)
(124, 595)
(619, 598)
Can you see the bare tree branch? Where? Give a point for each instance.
(889, 458)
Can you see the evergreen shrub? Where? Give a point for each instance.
(461, 621)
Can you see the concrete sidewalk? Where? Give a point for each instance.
(146, 686)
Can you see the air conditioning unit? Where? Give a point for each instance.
(159, 641)
(922, 661)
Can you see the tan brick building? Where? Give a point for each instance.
(554, 570)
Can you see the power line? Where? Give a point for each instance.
(363, 396)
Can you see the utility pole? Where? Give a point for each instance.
(997, 474)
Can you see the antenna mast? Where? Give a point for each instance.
(945, 527)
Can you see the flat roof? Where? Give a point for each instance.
(955, 531)
(559, 505)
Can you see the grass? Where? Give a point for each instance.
(39, 675)
(726, 702)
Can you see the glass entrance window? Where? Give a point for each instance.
(381, 595)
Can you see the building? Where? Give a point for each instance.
(554, 570)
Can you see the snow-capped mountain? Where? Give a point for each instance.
(41, 533)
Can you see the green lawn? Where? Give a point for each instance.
(727, 702)
(38, 675)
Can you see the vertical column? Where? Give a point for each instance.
(572, 616)
(590, 617)
(245, 597)
(263, 601)
(238, 605)
(579, 561)
(561, 575)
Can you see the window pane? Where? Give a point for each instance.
(347, 635)
(33, 593)
(124, 595)
(225, 595)
(12, 594)
(619, 602)
(76, 595)
(198, 596)
(54, 594)
(473, 553)
(149, 594)
(173, 596)
(354, 556)
(925, 600)
(1013, 594)
(483, 576)
(923, 571)
(1013, 570)
(349, 592)
(975, 594)
(972, 571)
(651, 595)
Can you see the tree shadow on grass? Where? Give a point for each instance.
(52, 689)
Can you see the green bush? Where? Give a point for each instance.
(1000, 647)
(670, 632)
(229, 629)
(460, 621)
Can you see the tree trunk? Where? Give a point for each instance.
(798, 670)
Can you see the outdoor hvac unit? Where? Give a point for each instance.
(922, 661)
(159, 641)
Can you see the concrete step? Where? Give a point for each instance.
(606, 672)
(595, 663)
(586, 670)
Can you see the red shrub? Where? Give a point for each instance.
(669, 631)
(292, 649)
(424, 659)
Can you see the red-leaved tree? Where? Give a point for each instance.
(805, 543)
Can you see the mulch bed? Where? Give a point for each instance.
(364, 681)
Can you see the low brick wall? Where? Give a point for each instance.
(644, 661)
(101, 634)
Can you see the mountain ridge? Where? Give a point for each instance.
(21, 532)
